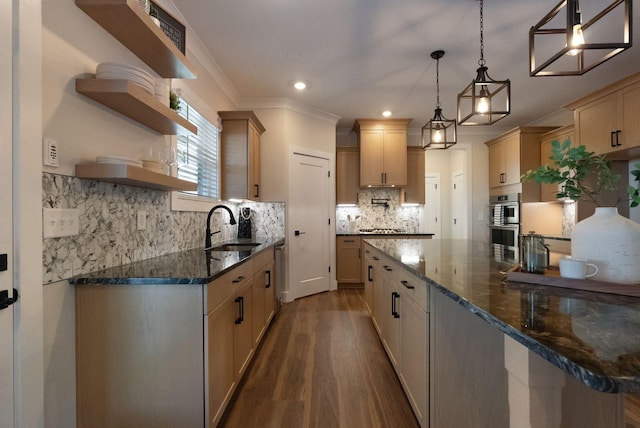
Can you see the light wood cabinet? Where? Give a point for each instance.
(169, 355)
(348, 259)
(347, 175)
(401, 316)
(370, 274)
(548, 192)
(240, 155)
(511, 155)
(414, 192)
(383, 152)
(606, 121)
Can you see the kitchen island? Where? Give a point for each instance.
(164, 342)
(510, 354)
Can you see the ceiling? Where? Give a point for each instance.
(360, 57)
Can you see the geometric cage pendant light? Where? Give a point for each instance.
(439, 132)
(485, 101)
(577, 46)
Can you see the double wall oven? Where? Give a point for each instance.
(505, 220)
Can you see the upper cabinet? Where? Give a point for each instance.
(240, 155)
(511, 155)
(347, 175)
(413, 193)
(383, 151)
(130, 24)
(606, 121)
(548, 192)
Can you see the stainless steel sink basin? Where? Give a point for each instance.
(236, 246)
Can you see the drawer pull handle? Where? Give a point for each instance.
(375, 258)
(240, 301)
(394, 310)
(369, 273)
(238, 279)
(406, 284)
(387, 268)
(268, 273)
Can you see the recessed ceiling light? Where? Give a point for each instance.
(300, 85)
(386, 113)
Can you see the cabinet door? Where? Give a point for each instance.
(512, 160)
(395, 157)
(347, 176)
(254, 163)
(349, 259)
(381, 309)
(548, 192)
(371, 157)
(391, 320)
(243, 329)
(496, 165)
(414, 371)
(630, 136)
(219, 349)
(257, 314)
(270, 293)
(414, 192)
(595, 124)
(369, 277)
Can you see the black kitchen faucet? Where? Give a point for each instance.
(207, 238)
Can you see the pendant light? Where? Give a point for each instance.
(485, 101)
(439, 132)
(574, 55)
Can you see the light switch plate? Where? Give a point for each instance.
(59, 222)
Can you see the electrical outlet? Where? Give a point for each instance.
(50, 152)
(141, 220)
(58, 222)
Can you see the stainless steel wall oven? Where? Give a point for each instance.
(505, 220)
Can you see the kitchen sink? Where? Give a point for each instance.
(236, 246)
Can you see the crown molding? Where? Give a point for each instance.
(289, 104)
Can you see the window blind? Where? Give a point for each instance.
(198, 154)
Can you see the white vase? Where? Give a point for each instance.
(610, 241)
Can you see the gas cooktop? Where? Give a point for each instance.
(381, 231)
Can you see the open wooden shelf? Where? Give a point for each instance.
(132, 176)
(133, 101)
(128, 22)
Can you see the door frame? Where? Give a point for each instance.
(27, 108)
(287, 295)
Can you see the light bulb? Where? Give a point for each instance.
(577, 40)
(437, 135)
(483, 103)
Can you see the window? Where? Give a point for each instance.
(198, 154)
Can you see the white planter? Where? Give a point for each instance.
(611, 242)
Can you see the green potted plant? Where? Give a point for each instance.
(607, 239)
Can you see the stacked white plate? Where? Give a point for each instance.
(112, 70)
(161, 91)
(119, 160)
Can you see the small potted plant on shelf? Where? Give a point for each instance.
(607, 239)
(153, 13)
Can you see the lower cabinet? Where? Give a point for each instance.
(169, 355)
(400, 315)
(348, 259)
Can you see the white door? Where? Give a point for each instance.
(458, 207)
(308, 225)
(6, 279)
(432, 216)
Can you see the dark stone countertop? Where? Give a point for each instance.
(184, 267)
(594, 337)
(388, 235)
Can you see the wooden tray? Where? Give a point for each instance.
(552, 278)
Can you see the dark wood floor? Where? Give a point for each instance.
(321, 365)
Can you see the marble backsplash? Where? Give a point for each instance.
(108, 229)
(367, 215)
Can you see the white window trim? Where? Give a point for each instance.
(184, 201)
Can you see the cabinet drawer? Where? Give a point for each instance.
(414, 287)
(227, 284)
(348, 241)
(262, 259)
